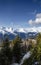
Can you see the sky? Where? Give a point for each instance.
(20, 13)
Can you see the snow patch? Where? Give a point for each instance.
(26, 56)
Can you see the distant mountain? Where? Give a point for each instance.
(32, 34)
(23, 33)
(7, 31)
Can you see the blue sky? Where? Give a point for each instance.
(20, 13)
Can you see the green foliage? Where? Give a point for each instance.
(36, 53)
(37, 49)
(17, 49)
(6, 53)
(17, 39)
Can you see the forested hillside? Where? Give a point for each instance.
(13, 52)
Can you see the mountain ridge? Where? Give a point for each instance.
(25, 30)
(22, 32)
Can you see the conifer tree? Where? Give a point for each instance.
(36, 53)
(17, 49)
(6, 54)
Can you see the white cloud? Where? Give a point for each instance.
(36, 21)
(38, 15)
(30, 22)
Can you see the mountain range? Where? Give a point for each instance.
(22, 32)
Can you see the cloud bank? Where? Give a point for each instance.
(36, 21)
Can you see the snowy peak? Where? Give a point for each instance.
(32, 29)
(23, 30)
(9, 30)
(5, 30)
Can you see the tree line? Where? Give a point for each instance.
(14, 55)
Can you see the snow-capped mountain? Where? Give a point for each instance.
(22, 32)
(31, 29)
(7, 31)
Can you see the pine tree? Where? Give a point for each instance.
(37, 50)
(36, 53)
(6, 54)
(17, 49)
